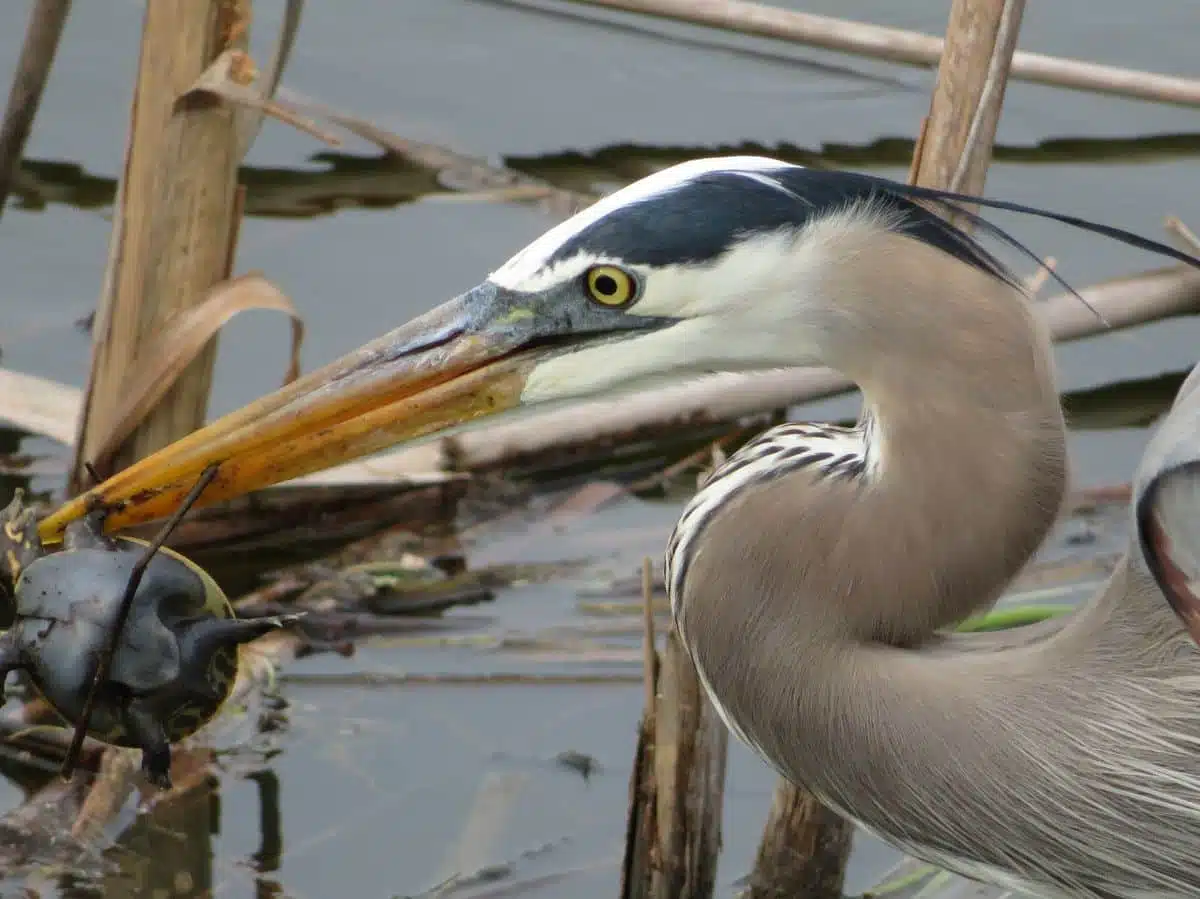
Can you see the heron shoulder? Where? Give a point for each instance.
(825, 451)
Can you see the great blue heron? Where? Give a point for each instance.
(811, 577)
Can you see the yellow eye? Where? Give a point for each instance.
(610, 286)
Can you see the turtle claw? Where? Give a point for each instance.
(157, 770)
(282, 621)
(10, 661)
(156, 750)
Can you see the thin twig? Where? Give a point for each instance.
(1185, 235)
(675, 468)
(93, 474)
(1035, 282)
(235, 229)
(993, 87)
(650, 659)
(904, 47)
(46, 22)
(914, 165)
(110, 650)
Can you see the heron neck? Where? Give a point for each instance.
(810, 606)
(800, 580)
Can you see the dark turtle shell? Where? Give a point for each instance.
(66, 604)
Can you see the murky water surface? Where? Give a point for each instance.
(374, 789)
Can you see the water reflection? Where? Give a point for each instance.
(338, 180)
(269, 854)
(169, 851)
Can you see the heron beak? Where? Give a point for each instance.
(461, 361)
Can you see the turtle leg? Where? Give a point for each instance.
(10, 660)
(147, 732)
(201, 638)
(206, 635)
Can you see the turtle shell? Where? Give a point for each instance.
(66, 604)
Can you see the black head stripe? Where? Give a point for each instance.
(698, 220)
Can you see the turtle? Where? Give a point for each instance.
(175, 663)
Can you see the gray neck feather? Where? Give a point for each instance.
(812, 607)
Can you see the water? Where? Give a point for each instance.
(375, 785)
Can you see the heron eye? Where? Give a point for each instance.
(610, 286)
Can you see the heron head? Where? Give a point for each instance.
(691, 270)
(705, 266)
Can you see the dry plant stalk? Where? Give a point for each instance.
(176, 211)
(175, 229)
(1035, 282)
(918, 150)
(677, 788)
(957, 146)
(906, 47)
(640, 860)
(46, 22)
(649, 652)
(1185, 236)
(690, 743)
(231, 77)
(149, 377)
(803, 851)
(805, 846)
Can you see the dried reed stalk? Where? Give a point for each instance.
(677, 787)
(906, 47)
(46, 22)
(173, 226)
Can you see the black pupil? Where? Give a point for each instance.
(606, 284)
